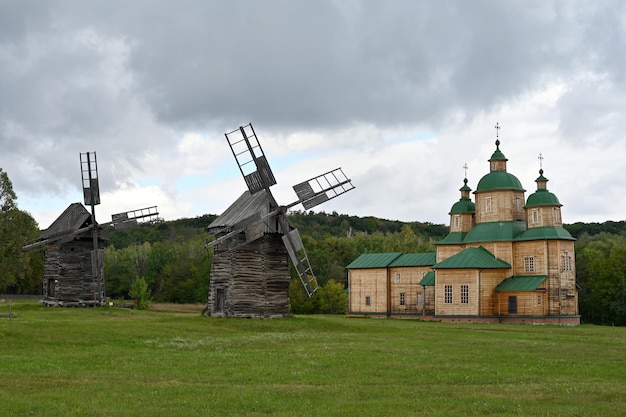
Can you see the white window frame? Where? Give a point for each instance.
(464, 294)
(535, 215)
(447, 291)
(566, 261)
(529, 263)
(557, 215)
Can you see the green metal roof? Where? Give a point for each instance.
(415, 259)
(373, 260)
(453, 238)
(495, 231)
(473, 258)
(542, 198)
(464, 205)
(521, 283)
(498, 155)
(428, 280)
(547, 232)
(499, 180)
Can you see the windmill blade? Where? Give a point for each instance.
(300, 260)
(250, 158)
(322, 188)
(133, 217)
(295, 248)
(56, 237)
(89, 174)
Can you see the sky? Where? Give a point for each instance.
(402, 95)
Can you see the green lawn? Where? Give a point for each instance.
(116, 362)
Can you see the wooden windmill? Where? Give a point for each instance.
(254, 239)
(74, 243)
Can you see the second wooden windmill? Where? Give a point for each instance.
(254, 241)
(74, 244)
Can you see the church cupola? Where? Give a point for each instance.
(462, 212)
(543, 207)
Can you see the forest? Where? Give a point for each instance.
(170, 257)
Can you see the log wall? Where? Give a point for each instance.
(68, 275)
(253, 278)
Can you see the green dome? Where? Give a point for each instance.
(542, 198)
(463, 206)
(498, 155)
(499, 180)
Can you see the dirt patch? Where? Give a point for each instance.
(178, 308)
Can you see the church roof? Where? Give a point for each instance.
(521, 283)
(415, 259)
(453, 238)
(373, 260)
(393, 259)
(473, 258)
(495, 231)
(464, 205)
(545, 232)
(499, 180)
(542, 198)
(428, 280)
(498, 155)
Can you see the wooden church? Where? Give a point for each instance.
(507, 258)
(73, 271)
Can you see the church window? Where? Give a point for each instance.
(566, 261)
(398, 277)
(457, 221)
(465, 294)
(529, 264)
(488, 204)
(535, 214)
(402, 299)
(368, 300)
(538, 300)
(557, 215)
(448, 294)
(518, 204)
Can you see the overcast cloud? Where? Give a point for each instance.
(401, 94)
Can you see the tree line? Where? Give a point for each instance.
(171, 259)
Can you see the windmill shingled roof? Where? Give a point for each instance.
(245, 206)
(73, 218)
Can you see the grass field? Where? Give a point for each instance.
(119, 362)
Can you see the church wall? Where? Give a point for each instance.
(446, 251)
(527, 303)
(370, 283)
(506, 205)
(537, 249)
(489, 280)
(456, 278)
(545, 216)
(407, 283)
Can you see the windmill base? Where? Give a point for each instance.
(251, 281)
